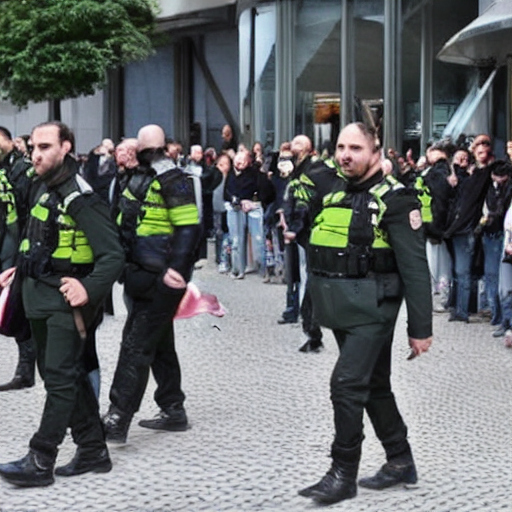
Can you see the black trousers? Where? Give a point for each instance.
(148, 342)
(70, 400)
(361, 380)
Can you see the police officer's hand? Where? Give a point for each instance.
(418, 346)
(174, 279)
(6, 277)
(74, 292)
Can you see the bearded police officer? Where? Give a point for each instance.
(366, 253)
(160, 231)
(68, 260)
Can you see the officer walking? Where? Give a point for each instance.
(160, 231)
(14, 186)
(366, 253)
(68, 260)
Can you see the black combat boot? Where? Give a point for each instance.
(24, 374)
(397, 470)
(84, 462)
(312, 345)
(339, 483)
(33, 470)
(116, 424)
(172, 419)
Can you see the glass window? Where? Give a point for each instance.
(317, 67)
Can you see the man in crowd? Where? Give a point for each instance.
(464, 218)
(298, 292)
(14, 184)
(366, 252)
(69, 258)
(159, 227)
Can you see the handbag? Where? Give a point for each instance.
(13, 321)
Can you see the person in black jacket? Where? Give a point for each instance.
(246, 192)
(491, 228)
(463, 220)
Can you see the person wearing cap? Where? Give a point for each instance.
(463, 219)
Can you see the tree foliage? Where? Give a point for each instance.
(58, 49)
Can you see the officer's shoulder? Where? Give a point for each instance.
(389, 187)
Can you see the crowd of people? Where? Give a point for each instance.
(350, 233)
(466, 197)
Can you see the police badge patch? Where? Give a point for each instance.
(415, 219)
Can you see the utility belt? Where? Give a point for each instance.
(66, 268)
(351, 262)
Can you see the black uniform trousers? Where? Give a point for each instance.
(148, 342)
(361, 380)
(70, 400)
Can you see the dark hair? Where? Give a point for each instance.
(370, 133)
(65, 133)
(5, 132)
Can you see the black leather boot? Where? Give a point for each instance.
(116, 425)
(33, 470)
(84, 462)
(391, 473)
(339, 483)
(172, 419)
(24, 374)
(312, 345)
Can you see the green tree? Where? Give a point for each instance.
(58, 49)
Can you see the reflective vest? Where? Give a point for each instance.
(424, 196)
(333, 226)
(7, 199)
(53, 242)
(147, 223)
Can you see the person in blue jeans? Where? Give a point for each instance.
(464, 218)
(496, 204)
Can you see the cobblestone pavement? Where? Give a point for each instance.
(261, 419)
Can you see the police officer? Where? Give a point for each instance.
(14, 186)
(160, 231)
(69, 258)
(366, 253)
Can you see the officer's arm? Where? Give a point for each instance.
(92, 216)
(178, 193)
(402, 221)
(298, 202)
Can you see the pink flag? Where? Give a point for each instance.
(194, 303)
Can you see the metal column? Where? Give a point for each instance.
(392, 74)
(347, 63)
(427, 55)
(285, 71)
(182, 88)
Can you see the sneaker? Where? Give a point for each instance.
(222, 268)
(173, 419)
(116, 426)
(499, 333)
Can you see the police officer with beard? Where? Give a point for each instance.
(68, 259)
(366, 252)
(160, 231)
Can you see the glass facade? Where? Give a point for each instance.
(316, 66)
